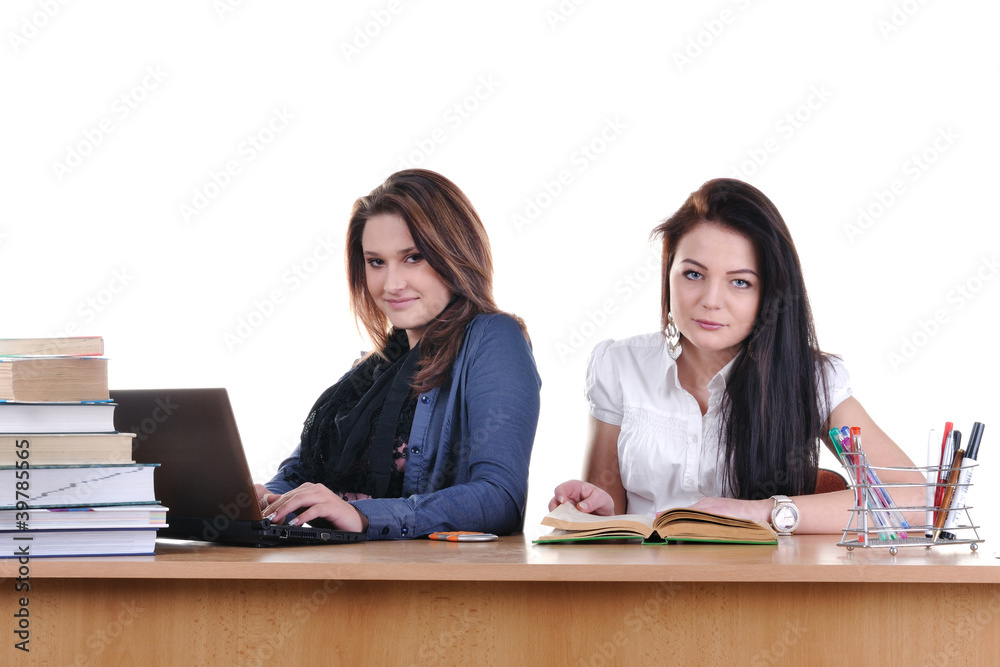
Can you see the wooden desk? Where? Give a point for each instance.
(805, 602)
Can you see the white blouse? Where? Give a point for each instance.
(669, 454)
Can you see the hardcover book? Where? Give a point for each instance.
(66, 448)
(53, 379)
(47, 543)
(70, 417)
(71, 346)
(676, 525)
(80, 486)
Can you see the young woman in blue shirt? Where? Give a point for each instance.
(433, 430)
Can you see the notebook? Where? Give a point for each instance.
(203, 478)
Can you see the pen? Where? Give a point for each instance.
(852, 439)
(947, 454)
(964, 479)
(847, 461)
(895, 515)
(949, 491)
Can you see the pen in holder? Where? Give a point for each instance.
(877, 522)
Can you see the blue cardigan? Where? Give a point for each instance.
(469, 446)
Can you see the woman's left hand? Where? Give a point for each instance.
(321, 503)
(755, 510)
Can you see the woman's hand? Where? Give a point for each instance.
(585, 497)
(321, 503)
(755, 510)
(263, 495)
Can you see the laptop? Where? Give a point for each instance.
(203, 478)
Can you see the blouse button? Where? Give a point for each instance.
(414, 450)
(385, 530)
(404, 531)
(425, 399)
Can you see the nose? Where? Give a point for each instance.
(394, 280)
(712, 297)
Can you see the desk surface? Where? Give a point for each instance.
(518, 603)
(803, 558)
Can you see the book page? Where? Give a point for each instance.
(567, 517)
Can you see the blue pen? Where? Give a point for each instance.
(900, 519)
(851, 438)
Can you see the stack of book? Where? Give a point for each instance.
(68, 484)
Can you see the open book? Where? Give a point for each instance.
(681, 524)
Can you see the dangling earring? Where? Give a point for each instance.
(673, 335)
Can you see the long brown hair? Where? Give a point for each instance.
(771, 415)
(452, 239)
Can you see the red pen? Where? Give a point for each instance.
(942, 476)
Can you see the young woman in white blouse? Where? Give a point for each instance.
(724, 409)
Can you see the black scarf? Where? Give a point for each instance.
(337, 429)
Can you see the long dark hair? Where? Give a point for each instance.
(449, 234)
(770, 412)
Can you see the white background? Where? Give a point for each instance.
(116, 115)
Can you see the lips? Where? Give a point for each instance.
(399, 304)
(709, 325)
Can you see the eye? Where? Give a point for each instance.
(690, 274)
(742, 284)
(375, 262)
(414, 258)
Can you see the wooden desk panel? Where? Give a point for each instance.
(804, 602)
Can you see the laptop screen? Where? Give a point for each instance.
(192, 434)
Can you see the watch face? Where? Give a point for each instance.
(784, 518)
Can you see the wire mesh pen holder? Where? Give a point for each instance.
(877, 523)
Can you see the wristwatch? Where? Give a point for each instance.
(784, 516)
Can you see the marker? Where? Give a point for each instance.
(964, 479)
(835, 439)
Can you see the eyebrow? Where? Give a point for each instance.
(728, 273)
(398, 252)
